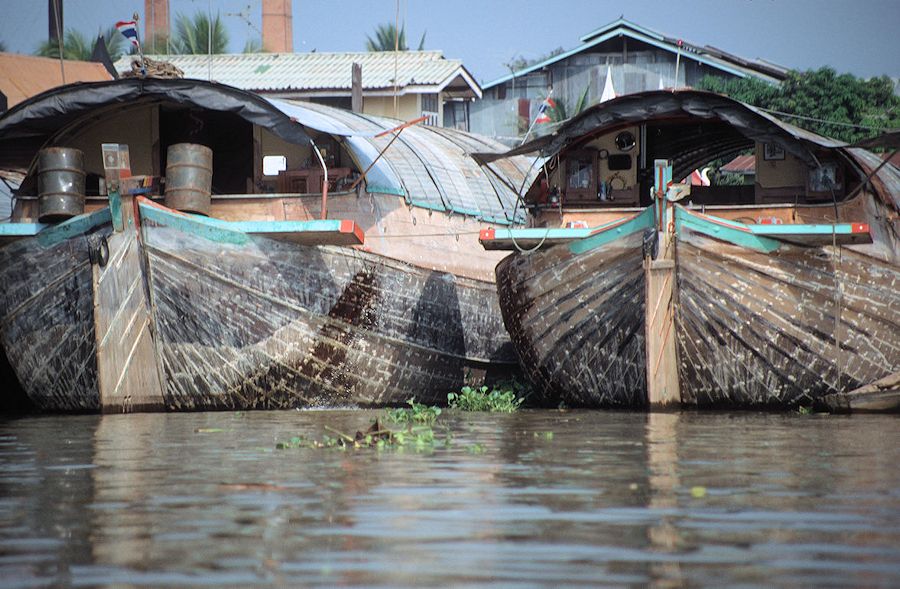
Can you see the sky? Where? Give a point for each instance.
(856, 36)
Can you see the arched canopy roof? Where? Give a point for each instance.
(674, 105)
(428, 166)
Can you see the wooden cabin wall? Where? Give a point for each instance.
(408, 106)
(608, 142)
(137, 128)
(428, 239)
(298, 156)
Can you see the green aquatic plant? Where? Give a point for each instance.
(416, 413)
(500, 399)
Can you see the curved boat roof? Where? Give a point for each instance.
(429, 167)
(745, 123)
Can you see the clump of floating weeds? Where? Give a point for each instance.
(503, 398)
(414, 431)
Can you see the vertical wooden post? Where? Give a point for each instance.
(356, 98)
(663, 390)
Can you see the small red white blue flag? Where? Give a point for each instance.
(129, 29)
(543, 117)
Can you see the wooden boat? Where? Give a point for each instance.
(743, 297)
(369, 292)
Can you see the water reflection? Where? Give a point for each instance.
(571, 498)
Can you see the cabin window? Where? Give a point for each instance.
(579, 174)
(272, 164)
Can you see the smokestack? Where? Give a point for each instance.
(55, 12)
(278, 34)
(156, 24)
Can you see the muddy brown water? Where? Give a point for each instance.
(533, 499)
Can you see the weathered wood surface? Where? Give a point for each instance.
(577, 322)
(256, 323)
(127, 371)
(760, 330)
(882, 395)
(47, 316)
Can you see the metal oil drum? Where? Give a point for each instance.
(189, 178)
(60, 184)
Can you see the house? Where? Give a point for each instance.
(635, 58)
(24, 76)
(426, 83)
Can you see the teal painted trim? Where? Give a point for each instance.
(73, 227)
(424, 204)
(193, 225)
(622, 22)
(550, 235)
(638, 37)
(385, 190)
(726, 230)
(610, 232)
(115, 210)
(272, 227)
(21, 229)
(792, 230)
(235, 232)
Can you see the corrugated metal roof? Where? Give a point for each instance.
(24, 76)
(273, 72)
(430, 166)
(623, 27)
(740, 164)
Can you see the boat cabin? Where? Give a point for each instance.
(600, 163)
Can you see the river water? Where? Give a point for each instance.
(532, 499)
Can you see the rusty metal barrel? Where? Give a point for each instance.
(60, 184)
(189, 178)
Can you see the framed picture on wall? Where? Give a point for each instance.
(772, 151)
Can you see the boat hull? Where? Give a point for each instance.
(47, 314)
(781, 329)
(769, 327)
(251, 322)
(576, 321)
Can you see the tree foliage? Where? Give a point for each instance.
(519, 62)
(386, 37)
(78, 47)
(823, 95)
(192, 35)
(2, 47)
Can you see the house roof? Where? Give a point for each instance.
(417, 71)
(742, 164)
(23, 76)
(706, 55)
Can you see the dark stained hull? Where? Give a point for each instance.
(753, 329)
(251, 322)
(576, 321)
(47, 314)
(759, 329)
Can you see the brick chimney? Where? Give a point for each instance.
(156, 23)
(278, 33)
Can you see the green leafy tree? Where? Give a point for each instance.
(520, 63)
(78, 47)
(559, 112)
(192, 35)
(386, 37)
(830, 104)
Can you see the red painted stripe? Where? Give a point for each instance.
(859, 228)
(488, 234)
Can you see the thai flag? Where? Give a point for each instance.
(543, 117)
(129, 29)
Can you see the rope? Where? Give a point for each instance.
(521, 198)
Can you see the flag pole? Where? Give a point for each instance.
(531, 126)
(137, 36)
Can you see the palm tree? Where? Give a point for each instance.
(192, 36)
(76, 46)
(386, 38)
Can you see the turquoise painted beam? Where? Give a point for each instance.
(321, 232)
(611, 232)
(507, 239)
(768, 238)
